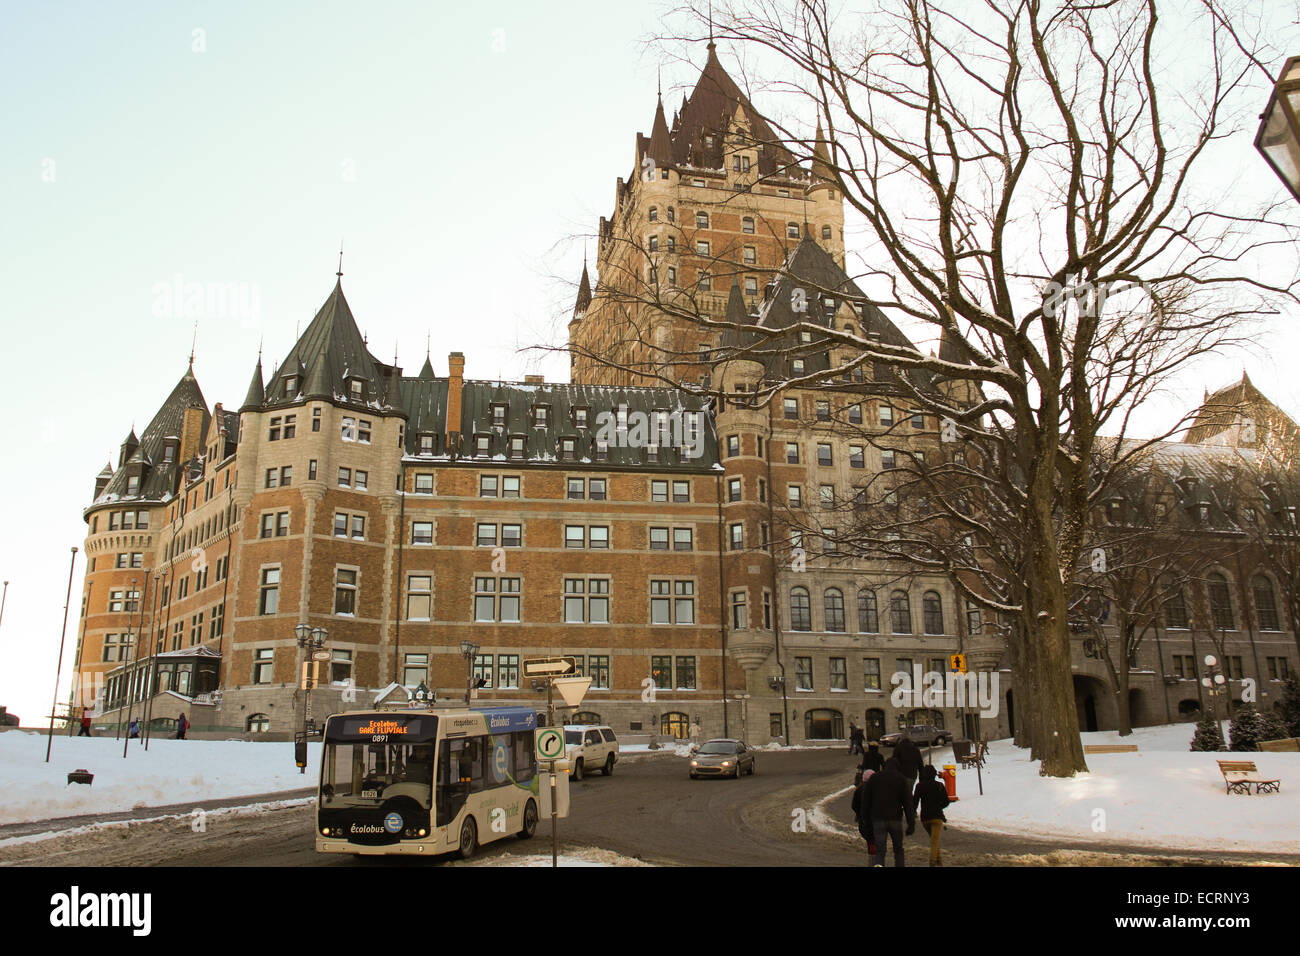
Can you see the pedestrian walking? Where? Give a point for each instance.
(872, 758)
(133, 729)
(908, 755)
(182, 725)
(853, 737)
(85, 723)
(931, 797)
(884, 800)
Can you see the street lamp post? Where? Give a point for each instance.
(310, 639)
(470, 650)
(1278, 139)
(1215, 682)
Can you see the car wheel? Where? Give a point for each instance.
(577, 769)
(609, 765)
(695, 776)
(468, 839)
(753, 767)
(530, 821)
(737, 769)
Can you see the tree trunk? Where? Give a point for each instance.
(1058, 745)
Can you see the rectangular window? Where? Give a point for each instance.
(345, 591)
(269, 599)
(421, 532)
(733, 489)
(739, 610)
(348, 429)
(886, 415)
(340, 525)
(315, 419)
(658, 539)
(736, 538)
(268, 525)
(272, 478)
(823, 453)
(286, 476)
(363, 431)
(507, 671)
(575, 536)
(683, 539)
(791, 453)
(345, 477)
(839, 673)
(598, 536)
(359, 526)
(485, 535)
(424, 484)
(598, 671)
(263, 665)
(658, 491)
(855, 414)
(281, 531)
(361, 477)
(419, 597)
(577, 488)
(686, 673)
(311, 470)
(512, 535)
(510, 486)
(681, 491)
(487, 485)
(871, 673)
(482, 669)
(415, 669)
(857, 457)
(340, 666)
(803, 673)
(661, 671)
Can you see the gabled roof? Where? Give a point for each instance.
(158, 477)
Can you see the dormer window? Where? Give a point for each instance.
(499, 415)
(290, 386)
(355, 389)
(580, 417)
(132, 485)
(568, 448)
(426, 444)
(169, 451)
(482, 446)
(805, 337)
(541, 416)
(516, 446)
(708, 139)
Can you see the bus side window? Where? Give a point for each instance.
(480, 754)
(524, 765)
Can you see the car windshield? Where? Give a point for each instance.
(718, 747)
(368, 774)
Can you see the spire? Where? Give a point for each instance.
(584, 292)
(256, 391)
(660, 146)
(822, 157)
(193, 342)
(736, 311)
(340, 272)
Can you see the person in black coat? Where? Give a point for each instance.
(931, 797)
(908, 755)
(872, 758)
(883, 801)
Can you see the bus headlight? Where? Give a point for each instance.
(422, 833)
(325, 831)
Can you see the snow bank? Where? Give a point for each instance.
(1162, 796)
(172, 771)
(585, 857)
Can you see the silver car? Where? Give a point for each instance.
(721, 758)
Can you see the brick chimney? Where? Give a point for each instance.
(455, 383)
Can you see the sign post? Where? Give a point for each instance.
(549, 744)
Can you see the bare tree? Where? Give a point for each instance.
(1026, 175)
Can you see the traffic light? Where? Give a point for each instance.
(957, 662)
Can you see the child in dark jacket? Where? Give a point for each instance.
(931, 797)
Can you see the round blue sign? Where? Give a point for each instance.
(500, 761)
(393, 822)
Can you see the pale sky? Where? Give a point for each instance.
(458, 152)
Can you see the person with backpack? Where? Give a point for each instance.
(931, 797)
(879, 805)
(182, 725)
(908, 755)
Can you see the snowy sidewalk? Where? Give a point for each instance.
(1162, 796)
(170, 772)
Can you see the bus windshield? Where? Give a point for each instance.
(369, 763)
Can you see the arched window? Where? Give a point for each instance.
(701, 220)
(823, 724)
(1265, 604)
(800, 610)
(675, 724)
(586, 717)
(1176, 611)
(900, 612)
(834, 609)
(1221, 603)
(932, 611)
(654, 214)
(258, 724)
(868, 618)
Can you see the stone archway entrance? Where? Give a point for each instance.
(1091, 705)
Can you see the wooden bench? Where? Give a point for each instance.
(1285, 745)
(976, 758)
(1240, 774)
(1110, 748)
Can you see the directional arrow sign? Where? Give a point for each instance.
(550, 667)
(549, 743)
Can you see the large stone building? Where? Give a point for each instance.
(680, 547)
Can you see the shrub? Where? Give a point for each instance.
(1247, 729)
(1207, 736)
(1288, 708)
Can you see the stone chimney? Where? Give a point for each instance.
(191, 433)
(455, 383)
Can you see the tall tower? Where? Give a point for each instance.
(712, 200)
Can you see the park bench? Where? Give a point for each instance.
(1240, 774)
(1110, 748)
(1285, 745)
(976, 758)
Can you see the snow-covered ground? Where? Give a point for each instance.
(589, 856)
(172, 771)
(1162, 796)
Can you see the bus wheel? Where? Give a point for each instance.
(468, 838)
(530, 822)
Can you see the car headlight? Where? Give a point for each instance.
(695, 763)
(726, 763)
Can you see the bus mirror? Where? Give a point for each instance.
(300, 752)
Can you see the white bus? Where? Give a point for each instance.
(426, 782)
